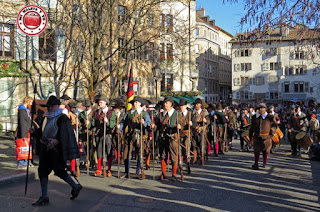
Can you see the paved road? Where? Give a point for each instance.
(226, 183)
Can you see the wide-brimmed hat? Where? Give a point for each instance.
(65, 97)
(198, 101)
(87, 103)
(168, 99)
(118, 105)
(262, 105)
(183, 102)
(103, 98)
(53, 100)
(137, 99)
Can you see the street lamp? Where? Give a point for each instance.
(156, 76)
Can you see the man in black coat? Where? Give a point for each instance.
(58, 144)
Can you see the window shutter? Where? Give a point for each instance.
(267, 95)
(250, 52)
(250, 95)
(61, 39)
(306, 86)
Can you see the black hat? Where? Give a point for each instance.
(145, 102)
(87, 103)
(65, 97)
(198, 101)
(137, 99)
(103, 98)
(168, 99)
(118, 105)
(262, 105)
(183, 102)
(53, 100)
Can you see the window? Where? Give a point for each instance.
(47, 45)
(271, 52)
(152, 52)
(136, 16)
(274, 95)
(306, 86)
(150, 19)
(252, 81)
(121, 46)
(245, 95)
(297, 55)
(162, 51)
(300, 70)
(169, 23)
(137, 50)
(287, 87)
(245, 81)
(298, 87)
(197, 31)
(169, 51)
(6, 97)
(260, 80)
(289, 71)
(204, 32)
(6, 40)
(151, 86)
(236, 81)
(121, 14)
(162, 20)
(245, 66)
(167, 82)
(272, 78)
(275, 66)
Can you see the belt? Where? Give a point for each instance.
(262, 134)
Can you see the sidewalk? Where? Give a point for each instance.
(8, 163)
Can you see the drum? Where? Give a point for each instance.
(277, 136)
(303, 139)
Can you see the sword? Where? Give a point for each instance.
(104, 146)
(152, 132)
(188, 144)
(118, 137)
(88, 153)
(179, 153)
(77, 138)
(202, 141)
(141, 157)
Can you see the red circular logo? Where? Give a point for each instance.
(32, 20)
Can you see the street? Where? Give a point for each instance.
(225, 183)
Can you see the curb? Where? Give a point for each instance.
(17, 178)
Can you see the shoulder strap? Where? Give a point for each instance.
(135, 117)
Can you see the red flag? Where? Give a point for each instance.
(130, 91)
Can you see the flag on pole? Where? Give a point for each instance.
(130, 91)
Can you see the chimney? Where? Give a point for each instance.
(212, 22)
(284, 30)
(201, 12)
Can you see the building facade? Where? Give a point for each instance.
(213, 59)
(177, 53)
(276, 66)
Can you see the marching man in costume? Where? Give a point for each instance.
(202, 119)
(133, 120)
(261, 133)
(101, 115)
(58, 144)
(168, 124)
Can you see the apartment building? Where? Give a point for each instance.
(213, 58)
(277, 66)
